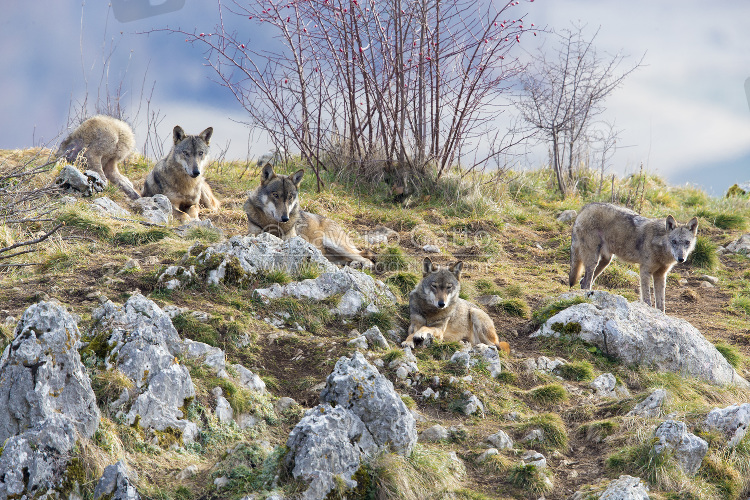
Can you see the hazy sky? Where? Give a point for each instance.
(686, 109)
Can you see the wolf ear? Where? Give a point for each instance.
(427, 266)
(671, 223)
(206, 134)
(456, 268)
(178, 134)
(297, 176)
(693, 225)
(267, 173)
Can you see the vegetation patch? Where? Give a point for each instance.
(135, 237)
(542, 315)
(549, 394)
(704, 254)
(402, 282)
(392, 258)
(577, 371)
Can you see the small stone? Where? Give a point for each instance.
(567, 216)
(488, 300)
(706, 284)
(500, 440)
(188, 472)
(487, 454)
(375, 338)
(434, 434)
(533, 435)
(221, 482)
(431, 249)
(429, 393)
(711, 279)
(402, 372)
(534, 458)
(358, 343)
(284, 403)
(682, 282)
(130, 266)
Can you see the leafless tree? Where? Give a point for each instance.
(563, 94)
(370, 84)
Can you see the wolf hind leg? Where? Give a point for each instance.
(112, 173)
(208, 199)
(604, 261)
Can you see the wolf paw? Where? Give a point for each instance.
(407, 343)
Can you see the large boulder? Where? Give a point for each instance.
(72, 181)
(733, 421)
(144, 345)
(328, 442)
(46, 402)
(636, 333)
(41, 374)
(626, 488)
(688, 449)
(356, 385)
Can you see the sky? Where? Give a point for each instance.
(684, 114)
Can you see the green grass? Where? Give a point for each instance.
(516, 307)
(135, 237)
(204, 234)
(530, 478)
(741, 304)
(392, 258)
(86, 222)
(540, 316)
(555, 435)
(723, 220)
(486, 287)
(704, 254)
(549, 394)
(402, 282)
(578, 371)
(730, 353)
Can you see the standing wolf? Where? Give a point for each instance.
(436, 309)
(274, 208)
(178, 176)
(603, 230)
(103, 141)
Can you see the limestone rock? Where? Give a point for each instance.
(249, 380)
(357, 386)
(375, 338)
(651, 406)
(156, 209)
(433, 434)
(626, 488)
(639, 334)
(732, 420)
(567, 216)
(688, 448)
(106, 206)
(72, 181)
(500, 440)
(115, 484)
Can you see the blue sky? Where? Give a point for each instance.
(684, 114)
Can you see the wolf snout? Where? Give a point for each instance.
(195, 173)
(284, 218)
(441, 304)
(680, 259)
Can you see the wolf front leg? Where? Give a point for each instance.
(645, 285)
(417, 322)
(660, 288)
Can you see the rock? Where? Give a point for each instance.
(429, 393)
(350, 304)
(733, 421)
(115, 484)
(638, 334)
(469, 404)
(487, 454)
(71, 180)
(144, 346)
(357, 386)
(626, 488)
(33, 462)
(461, 359)
(567, 216)
(188, 472)
(173, 311)
(41, 374)
(155, 209)
(431, 249)
(211, 356)
(534, 435)
(534, 458)
(328, 442)
(605, 386)
(68, 200)
(651, 406)
(500, 440)
(221, 482)
(488, 300)
(358, 343)
(543, 364)
(130, 266)
(688, 448)
(284, 403)
(380, 236)
(106, 206)
(710, 279)
(740, 245)
(250, 380)
(434, 434)
(224, 411)
(487, 354)
(706, 284)
(376, 338)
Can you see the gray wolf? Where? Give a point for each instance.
(273, 207)
(103, 141)
(603, 230)
(436, 309)
(179, 175)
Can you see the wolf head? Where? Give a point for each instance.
(440, 285)
(279, 194)
(681, 237)
(191, 151)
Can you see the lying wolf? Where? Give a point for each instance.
(179, 175)
(103, 141)
(436, 310)
(274, 208)
(603, 230)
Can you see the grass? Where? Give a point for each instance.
(134, 237)
(87, 222)
(402, 282)
(530, 478)
(549, 394)
(577, 371)
(516, 307)
(555, 435)
(541, 315)
(730, 353)
(392, 258)
(704, 254)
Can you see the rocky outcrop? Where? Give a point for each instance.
(155, 209)
(360, 415)
(144, 345)
(688, 449)
(70, 180)
(639, 334)
(46, 401)
(328, 442)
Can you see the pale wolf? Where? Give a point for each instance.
(603, 230)
(436, 310)
(103, 141)
(178, 176)
(273, 207)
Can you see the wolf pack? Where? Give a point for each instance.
(600, 231)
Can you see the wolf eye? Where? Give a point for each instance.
(200, 153)
(276, 195)
(674, 242)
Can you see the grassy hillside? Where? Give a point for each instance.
(506, 232)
